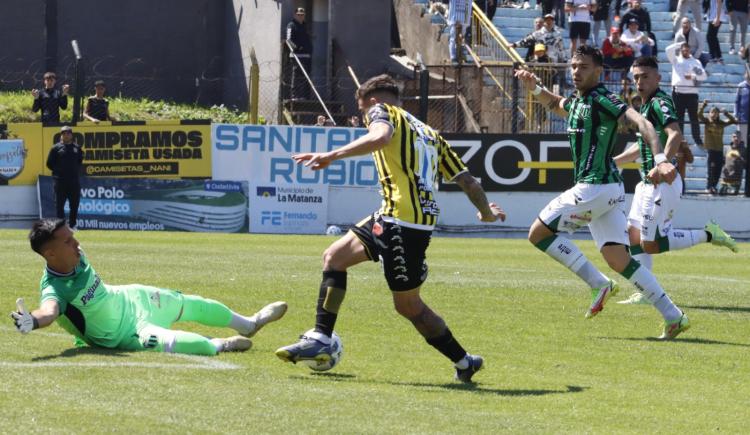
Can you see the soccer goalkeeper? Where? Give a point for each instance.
(127, 317)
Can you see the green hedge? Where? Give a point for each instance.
(16, 107)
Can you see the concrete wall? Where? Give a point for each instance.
(419, 35)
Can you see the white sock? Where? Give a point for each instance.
(646, 260)
(218, 344)
(463, 363)
(683, 239)
(241, 324)
(645, 281)
(567, 253)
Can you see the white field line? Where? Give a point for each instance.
(196, 362)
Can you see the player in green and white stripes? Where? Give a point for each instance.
(654, 203)
(129, 317)
(598, 196)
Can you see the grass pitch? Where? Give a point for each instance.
(548, 369)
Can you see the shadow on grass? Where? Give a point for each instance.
(680, 340)
(723, 309)
(82, 351)
(474, 388)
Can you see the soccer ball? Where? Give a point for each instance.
(337, 349)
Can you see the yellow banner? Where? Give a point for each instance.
(154, 149)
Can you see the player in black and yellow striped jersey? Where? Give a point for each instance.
(409, 156)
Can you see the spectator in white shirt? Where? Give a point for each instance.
(694, 38)
(686, 72)
(580, 21)
(641, 44)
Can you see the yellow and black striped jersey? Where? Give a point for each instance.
(409, 166)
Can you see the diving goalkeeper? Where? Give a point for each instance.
(127, 317)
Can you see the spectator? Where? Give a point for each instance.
(329, 123)
(682, 7)
(550, 36)
(644, 21)
(683, 156)
(65, 160)
(694, 38)
(717, 14)
(737, 18)
(602, 16)
(321, 121)
(640, 14)
(686, 72)
(459, 19)
(742, 105)
(641, 44)
(731, 174)
(530, 40)
(580, 21)
(556, 8)
(714, 130)
(97, 107)
(540, 54)
(617, 55)
(296, 35)
(627, 93)
(50, 100)
(354, 122)
(488, 7)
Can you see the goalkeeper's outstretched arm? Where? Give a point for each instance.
(43, 316)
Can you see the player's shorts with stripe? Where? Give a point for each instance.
(600, 206)
(653, 208)
(155, 310)
(401, 250)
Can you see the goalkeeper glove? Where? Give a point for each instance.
(23, 320)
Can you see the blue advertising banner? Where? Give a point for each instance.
(155, 204)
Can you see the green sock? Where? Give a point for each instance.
(205, 311)
(192, 344)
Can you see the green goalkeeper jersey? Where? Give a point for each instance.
(89, 310)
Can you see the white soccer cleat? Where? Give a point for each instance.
(269, 313)
(236, 343)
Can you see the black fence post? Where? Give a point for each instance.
(514, 101)
(80, 81)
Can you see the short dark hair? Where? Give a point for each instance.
(50, 74)
(593, 52)
(381, 83)
(685, 44)
(646, 61)
(42, 232)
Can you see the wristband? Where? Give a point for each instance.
(36, 323)
(659, 159)
(537, 90)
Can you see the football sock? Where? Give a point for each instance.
(210, 312)
(567, 253)
(645, 281)
(330, 297)
(682, 239)
(646, 260)
(448, 346)
(192, 344)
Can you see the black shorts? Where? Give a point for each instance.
(401, 250)
(580, 30)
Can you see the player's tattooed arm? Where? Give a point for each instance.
(488, 212)
(549, 100)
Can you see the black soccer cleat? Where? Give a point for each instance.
(476, 363)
